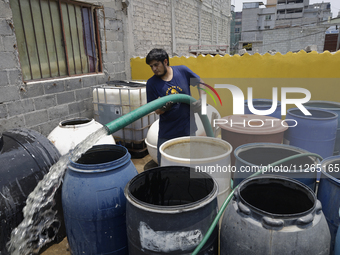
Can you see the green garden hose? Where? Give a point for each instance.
(224, 205)
(138, 113)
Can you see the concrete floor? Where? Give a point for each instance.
(62, 248)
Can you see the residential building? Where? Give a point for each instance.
(235, 30)
(283, 25)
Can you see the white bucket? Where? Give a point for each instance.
(205, 154)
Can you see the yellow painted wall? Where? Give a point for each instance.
(319, 73)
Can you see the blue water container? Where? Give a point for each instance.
(315, 133)
(330, 106)
(93, 200)
(263, 104)
(329, 194)
(251, 157)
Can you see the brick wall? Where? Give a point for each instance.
(196, 22)
(41, 105)
(125, 32)
(293, 39)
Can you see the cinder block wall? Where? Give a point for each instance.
(126, 30)
(176, 24)
(41, 105)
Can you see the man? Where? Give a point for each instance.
(177, 119)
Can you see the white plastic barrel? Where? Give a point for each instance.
(69, 133)
(204, 154)
(152, 136)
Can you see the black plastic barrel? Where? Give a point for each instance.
(25, 157)
(329, 194)
(274, 215)
(169, 210)
(252, 157)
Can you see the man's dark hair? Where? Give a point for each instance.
(158, 55)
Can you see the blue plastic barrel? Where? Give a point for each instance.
(93, 200)
(330, 106)
(263, 104)
(329, 193)
(252, 157)
(315, 133)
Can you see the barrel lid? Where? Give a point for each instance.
(252, 124)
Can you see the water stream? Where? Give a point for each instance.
(39, 217)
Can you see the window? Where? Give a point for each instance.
(266, 27)
(247, 46)
(268, 17)
(237, 30)
(56, 38)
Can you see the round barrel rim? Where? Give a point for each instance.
(170, 209)
(85, 122)
(335, 115)
(187, 139)
(263, 100)
(275, 177)
(265, 130)
(331, 103)
(101, 167)
(278, 145)
(149, 144)
(327, 161)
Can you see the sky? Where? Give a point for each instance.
(335, 4)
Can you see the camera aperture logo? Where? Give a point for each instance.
(238, 101)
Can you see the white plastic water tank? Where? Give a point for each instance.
(204, 154)
(152, 136)
(69, 133)
(112, 102)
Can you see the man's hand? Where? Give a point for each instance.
(164, 108)
(196, 106)
(167, 106)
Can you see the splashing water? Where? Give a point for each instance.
(33, 232)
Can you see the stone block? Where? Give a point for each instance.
(31, 90)
(65, 98)
(15, 76)
(36, 118)
(52, 87)
(76, 107)
(47, 127)
(3, 111)
(82, 94)
(5, 28)
(3, 78)
(5, 10)
(14, 122)
(73, 83)
(58, 113)
(89, 81)
(9, 43)
(8, 93)
(45, 102)
(20, 107)
(8, 60)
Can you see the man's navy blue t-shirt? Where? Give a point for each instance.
(175, 122)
